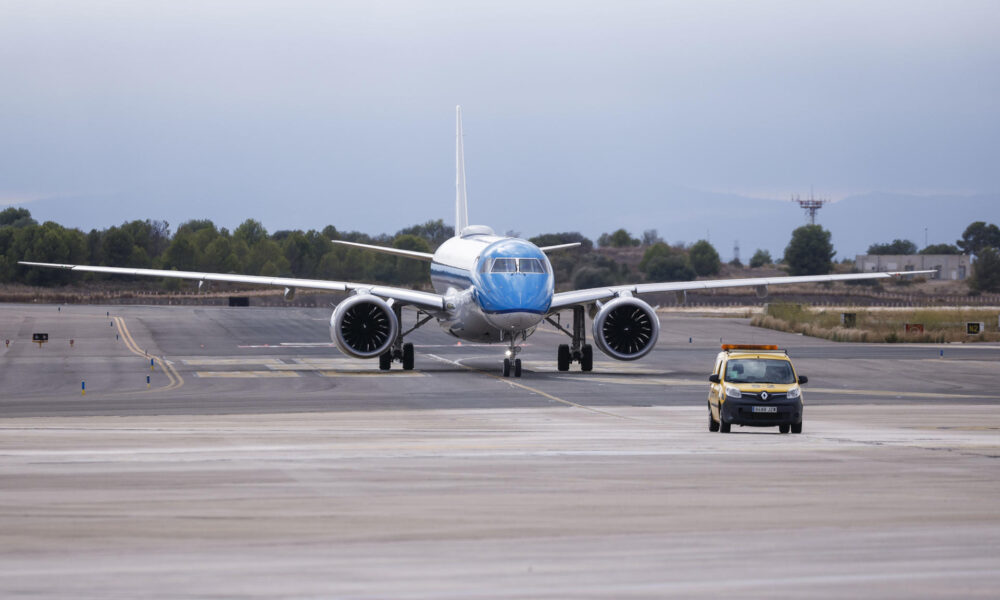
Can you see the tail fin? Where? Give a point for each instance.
(461, 203)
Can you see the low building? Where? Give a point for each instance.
(948, 266)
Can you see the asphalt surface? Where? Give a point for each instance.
(259, 462)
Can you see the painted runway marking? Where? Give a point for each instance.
(245, 374)
(174, 378)
(231, 361)
(510, 381)
(392, 374)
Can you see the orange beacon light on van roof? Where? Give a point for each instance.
(749, 347)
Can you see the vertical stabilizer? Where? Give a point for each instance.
(461, 204)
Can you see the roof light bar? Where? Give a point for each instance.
(749, 347)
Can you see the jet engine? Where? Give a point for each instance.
(363, 326)
(626, 328)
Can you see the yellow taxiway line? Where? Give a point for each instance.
(175, 379)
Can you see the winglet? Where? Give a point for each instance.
(461, 203)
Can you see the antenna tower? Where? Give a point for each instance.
(811, 206)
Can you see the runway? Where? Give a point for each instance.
(260, 462)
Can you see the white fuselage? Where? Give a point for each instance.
(489, 307)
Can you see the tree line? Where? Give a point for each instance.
(199, 245)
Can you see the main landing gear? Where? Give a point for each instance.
(579, 351)
(398, 350)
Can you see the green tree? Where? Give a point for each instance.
(182, 254)
(267, 253)
(591, 277)
(16, 217)
(434, 233)
(251, 232)
(676, 267)
(895, 247)
(979, 235)
(650, 237)
(117, 247)
(568, 237)
(986, 271)
(704, 258)
(219, 256)
(660, 262)
(941, 249)
(760, 258)
(410, 270)
(151, 236)
(810, 251)
(617, 239)
(298, 253)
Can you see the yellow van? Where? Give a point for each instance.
(755, 385)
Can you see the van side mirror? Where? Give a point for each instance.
(803, 380)
(713, 378)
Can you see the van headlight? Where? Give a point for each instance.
(794, 393)
(733, 392)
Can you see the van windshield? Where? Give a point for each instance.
(759, 370)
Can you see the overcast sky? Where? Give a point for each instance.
(578, 115)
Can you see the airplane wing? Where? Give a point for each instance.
(576, 297)
(420, 299)
(386, 250)
(559, 247)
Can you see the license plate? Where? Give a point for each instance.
(765, 409)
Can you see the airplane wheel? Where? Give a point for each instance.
(385, 361)
(517, 367)
(562, 357)
(506, 367)
(407, 357)
(587, 360)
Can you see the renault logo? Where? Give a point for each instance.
(763, 395)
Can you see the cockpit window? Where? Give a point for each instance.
(504, 265)
(530, 265)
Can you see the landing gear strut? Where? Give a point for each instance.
(579, 350)
(398, 350)
(511, 362)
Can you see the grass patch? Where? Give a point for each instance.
(875, 325)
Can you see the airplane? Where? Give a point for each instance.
(487, 289)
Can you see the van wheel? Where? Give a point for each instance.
(783, 428)
(723, 426)
(713, 425)
(797, 427)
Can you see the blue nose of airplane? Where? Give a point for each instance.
(514, 284)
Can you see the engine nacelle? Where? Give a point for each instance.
(626, 328)
(363, 326)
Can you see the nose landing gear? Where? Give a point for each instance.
(511, 362)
